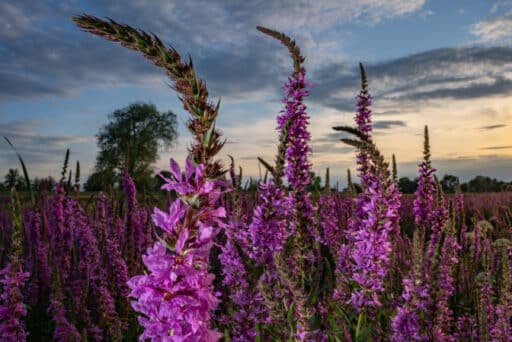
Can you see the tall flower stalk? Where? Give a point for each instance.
(177, 297)
(375, 222)
(298, 265)
(12, 281)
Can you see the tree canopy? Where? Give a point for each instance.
(132, 139)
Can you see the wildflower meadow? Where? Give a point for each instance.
(215, 261)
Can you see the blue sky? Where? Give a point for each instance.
(447, 64)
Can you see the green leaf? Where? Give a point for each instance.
(25, 172)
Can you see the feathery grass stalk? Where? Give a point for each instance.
(394, 173)
(193, 90)
(77, 178)
(298, 59)
(64, 167)
(25, 172)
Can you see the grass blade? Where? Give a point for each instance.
(25, 172)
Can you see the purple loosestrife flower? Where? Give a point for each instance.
(406, 325)
(364, 124)
(64, 330)
(439, 218)
(271, 225)
(12, 281)
(363, 117)
(176, 297)
(240, 277)
(424, 196)
(443, 319)
(132, 224)
(467, 329)
(61, 233)
(250, 309)
(89, 253)
(12, 309)
(424, 202)
(298, 168)
(370, 234)
(502, 330)
(37, 262)
(486, 307)
(331, 233)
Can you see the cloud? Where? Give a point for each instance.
(51, 57)
(493, 127)
(387, 124)
(331, 138)
(497, 147)
(41, 153)
(331, 148)
(12, 22)
(458, 73)
(494, 30)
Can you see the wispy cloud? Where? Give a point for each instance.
(336, 148)
(458, 73)
(497, 29)
(44, 59)
(12, 21)
(497, 147)
(387, 124)
(42, 153)
(490, 127)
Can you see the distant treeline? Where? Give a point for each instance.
(449, 183)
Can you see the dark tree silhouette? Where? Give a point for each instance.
(13, 179)
(449, 183)
(407, 186)
(132, 140)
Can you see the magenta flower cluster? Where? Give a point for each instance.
(297, 169)
(176, 298)
(283, 259)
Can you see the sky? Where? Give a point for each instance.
(445, 64)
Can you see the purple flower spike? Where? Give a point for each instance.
(298, 167)
(176, 297)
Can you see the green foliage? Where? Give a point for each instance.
(13, 179)
(449, 183)
(132, 140)
(406, 185)
(486, 184)
(45, 183)
(100, 180)
(24, 168)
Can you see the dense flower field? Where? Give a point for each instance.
(280, 264)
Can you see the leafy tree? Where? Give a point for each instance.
(407, 186)
(40, 184)
(449, 183)
(132, 140)
(100, 180)
(13, 179)
(484, 184)
(315, 182)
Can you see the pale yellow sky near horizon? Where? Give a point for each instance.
(456, 130)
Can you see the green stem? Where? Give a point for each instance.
(359, 320)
